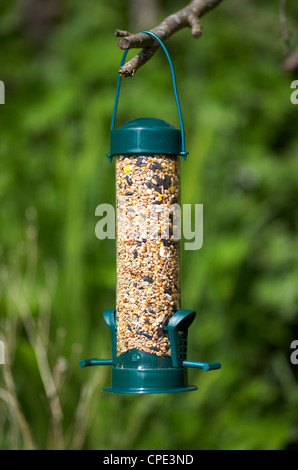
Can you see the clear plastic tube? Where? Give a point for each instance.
(148, 250)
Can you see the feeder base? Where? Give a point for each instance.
(144, 381)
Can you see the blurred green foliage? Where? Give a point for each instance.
(59, 63)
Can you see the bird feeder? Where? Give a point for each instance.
(148, 327)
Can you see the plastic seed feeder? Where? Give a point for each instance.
(148, 327)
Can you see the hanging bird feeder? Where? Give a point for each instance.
(148, 327)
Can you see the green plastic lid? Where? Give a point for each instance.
(146, 135)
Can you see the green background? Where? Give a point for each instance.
(59, 62)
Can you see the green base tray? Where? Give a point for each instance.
(144, 381)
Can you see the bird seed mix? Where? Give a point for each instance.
(148, 252)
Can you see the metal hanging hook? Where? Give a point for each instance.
(183, 152)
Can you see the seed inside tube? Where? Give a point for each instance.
(148, 260)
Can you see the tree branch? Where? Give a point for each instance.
(188, 16)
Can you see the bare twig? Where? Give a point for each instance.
(121, 34)
(188, 16)
(196, 28)
(130, 68)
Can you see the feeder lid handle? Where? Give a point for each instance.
(182, 152)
